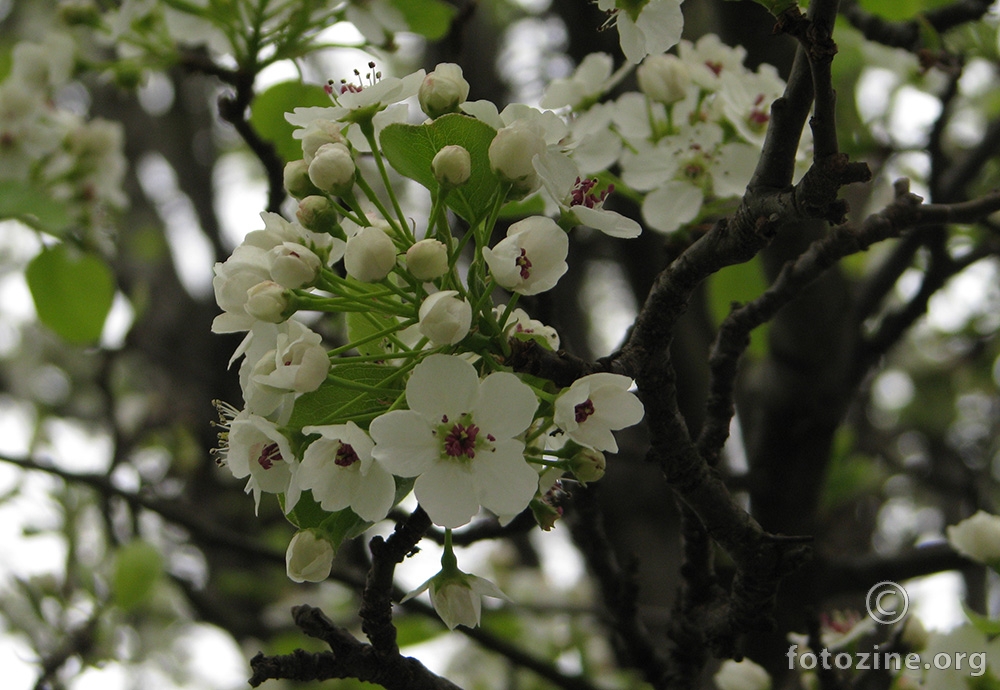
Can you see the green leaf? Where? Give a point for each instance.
(411, 148)
(738, 283)
(267, 114)
(72, 290)
(33, 206)
(982, 623)
(138, 567)
(429, 18)
(333, 401)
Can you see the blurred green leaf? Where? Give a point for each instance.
(429, 18)
(138, 567)
(72, 291)
(33, 206)
(411, 148)
(739, 283)
(982, 623)
(267, 114)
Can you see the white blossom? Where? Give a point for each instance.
(532, 257)
(339, 470)
(977, 537)
(444, 318)
(443, 90)
(511, 153)
(293, 265)
(576, 197)
(741, 675)
(332, 169)
(257, 449)
(427, 259)
(653, 28)
(664, 78)
(267, 301)
(520, 324)
(309, 557)
(458, 597)
(594, 406)
(246, 267)
(370, 254)
(592, 78)
(460, 441)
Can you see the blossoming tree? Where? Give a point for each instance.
(409, 351)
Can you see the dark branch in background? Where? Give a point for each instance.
(841, 576)
(904, 213)
(233, 109)
(907, 35)
(631, 640)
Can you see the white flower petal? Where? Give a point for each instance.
(505, 406)
(446, 491)
(671, 206)
(505, 483)
(442, 385)
(404, 444)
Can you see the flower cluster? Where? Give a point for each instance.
(375, 357)
(52, 152)
(687, 142)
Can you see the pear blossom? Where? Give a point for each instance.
(977, 537)
(443, 90)
(270, 385)
(316, 133)
(246, 267)
(332, 169)
(709, 59)
(511, 153)
(532, 257)
(645, 28)
(309, 557)
(293, 265)
(576, 197)
(520, 325)
(460, 440)
(664, 78)
(591, 80)
(444, 318)
(594, 406)
(741, 675)
(267, 301)
(427, 259)
(255, 448)
(370, 254)
(452, 166)
(458, 597)
(359, 102)
(377, 20)
(339, 470)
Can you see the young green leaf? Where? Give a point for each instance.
(411, 148)
(72, 291)
(267, 114)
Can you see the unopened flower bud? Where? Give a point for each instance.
(452, 166)
(511, 153)
(445, 319)
(267, 301)
(588, 465)
(332, 169)
(309, 557)
(370, 255)
(443, 90)
(293, 265)
(664, 78)
(427, 259)
(316, 213)
(317, 133)
(741, 675)
(978, 538)
(296, 179)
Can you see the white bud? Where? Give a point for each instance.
(444, 318)
(296, 179)
(317, 133)
(267, 301)
(293, 265)
(370, 255)
(443, 90)
(664, 78)
(741, 675)
(316, 213)
(978, 538)
(427, 259)
(332, 169)
(452, 166)
(309, 558)
(588, 465)
(511, 153)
